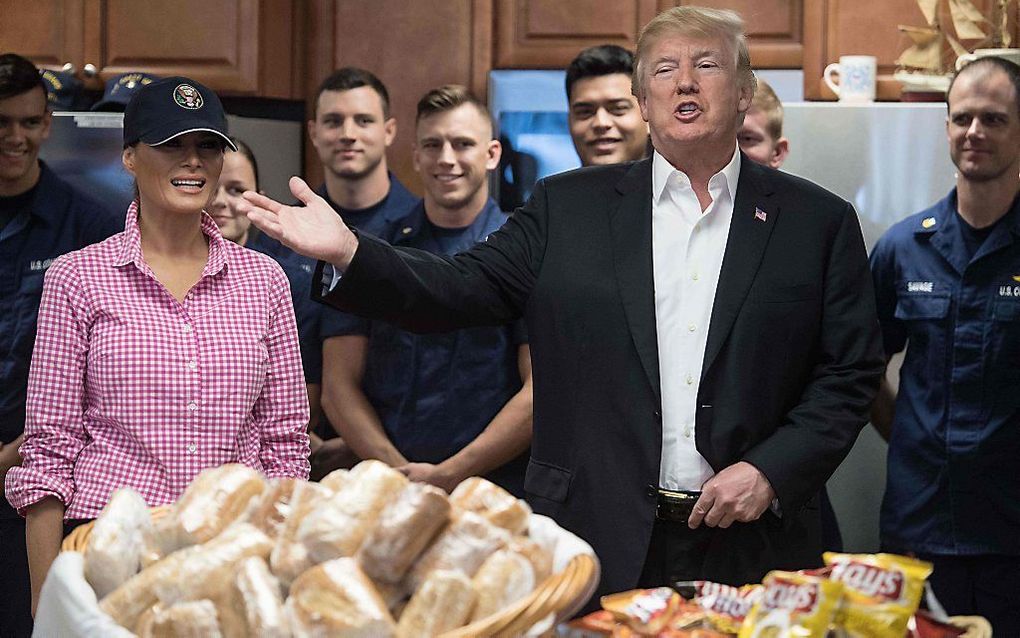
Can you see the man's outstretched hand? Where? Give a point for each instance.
(314, 230)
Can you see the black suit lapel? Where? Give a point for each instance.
(631, 226)
(749, 234)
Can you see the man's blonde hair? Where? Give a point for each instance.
(697, 22)
(766, 101)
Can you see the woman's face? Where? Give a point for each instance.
(178, 176)
(237, 176)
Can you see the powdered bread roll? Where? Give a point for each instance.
(339, 525)
(443, 602)
(199, 571)
(463, 546)
(253, 605)
(274, 506)
(540, 558)
(117, 542)
(336, 479)
(215, 499)
(493, 502)
(289, 557)
(337, 599)
(403, 531)
(192, 619)
(503, 579)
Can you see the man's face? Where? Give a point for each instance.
(350, 132)
(983, 125)
(757, 143)
(605, 121)
(692, 96)
(24, 124)
(453, 153)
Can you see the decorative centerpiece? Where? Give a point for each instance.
(923, 68)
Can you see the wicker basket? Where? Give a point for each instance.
(562, 594)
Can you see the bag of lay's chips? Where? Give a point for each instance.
(726, 606)
(880, 592)
(646, 611)
(793, 605)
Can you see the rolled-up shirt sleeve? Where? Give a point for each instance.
(281, 410)
(54, 425)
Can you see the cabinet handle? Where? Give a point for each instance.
(67, 68)
(90, 70)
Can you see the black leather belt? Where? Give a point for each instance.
(675, 506)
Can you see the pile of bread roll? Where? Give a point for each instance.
(361, 553)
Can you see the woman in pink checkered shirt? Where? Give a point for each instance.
(163, 350)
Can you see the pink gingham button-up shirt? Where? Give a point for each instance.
(129, 386)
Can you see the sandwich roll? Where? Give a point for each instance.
(118, 540)
(403, 531)
(442, 603)
(487, 499)
(336, 598)
(503, 579)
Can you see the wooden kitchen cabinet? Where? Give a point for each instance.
(237, 47)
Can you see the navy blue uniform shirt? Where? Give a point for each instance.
(298, 269)
(436, 393)
(952, 484)
(58, 220)
(386, 220)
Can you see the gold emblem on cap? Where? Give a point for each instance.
(928, 222)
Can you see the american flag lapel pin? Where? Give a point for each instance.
(759, 214)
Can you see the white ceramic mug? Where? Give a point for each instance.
(1013, 55)
(857, 74)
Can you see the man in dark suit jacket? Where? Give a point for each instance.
(782, 378)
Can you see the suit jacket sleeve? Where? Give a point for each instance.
(820, 429)
(422, 292)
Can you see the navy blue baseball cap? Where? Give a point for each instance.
(120, 90)
(63, 90)
(167, 108)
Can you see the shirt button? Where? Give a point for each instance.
(192, 448)
(694, 276)
(192, 406)
(187, 328)
(691, 327)
(192, 364)
(690, 379)
(687, 431)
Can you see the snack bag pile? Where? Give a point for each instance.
(854, 596)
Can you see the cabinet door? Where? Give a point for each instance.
(47, 32)
(216, 42)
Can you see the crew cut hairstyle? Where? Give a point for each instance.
(1011, 69)
(17, 76)
(766, 101)
(696, 22)
(351, 77)
(447, 98)
(596, 61)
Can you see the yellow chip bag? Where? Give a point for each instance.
(725, 605)
(793, 605)
(880, 592)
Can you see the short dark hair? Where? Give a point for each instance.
(245, 150)
(17, 76)
(1011, 69)
(604, 59)
(351, 77)
(447, 98)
